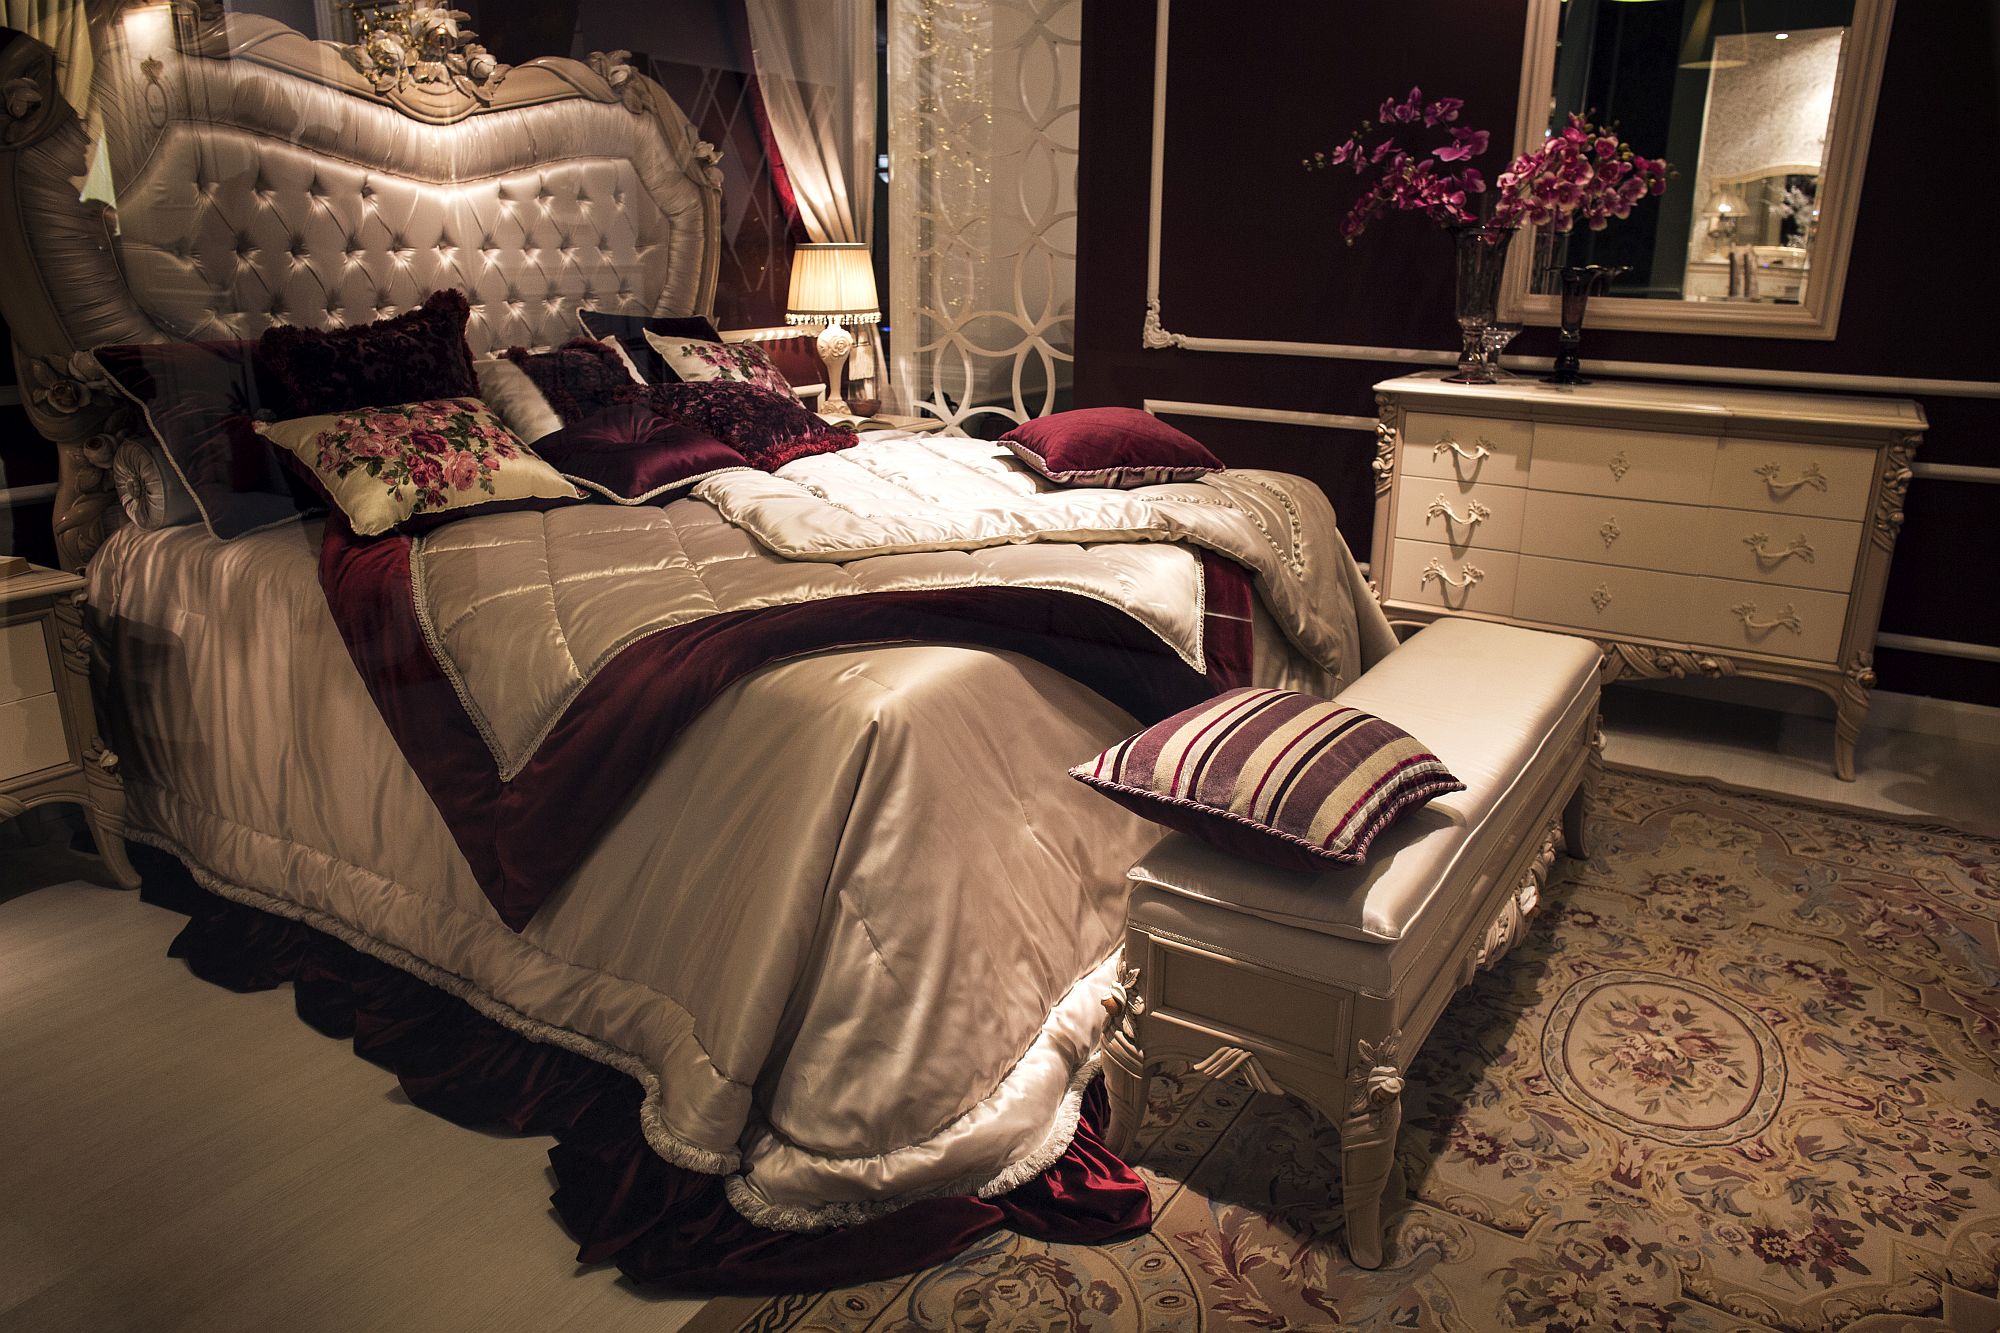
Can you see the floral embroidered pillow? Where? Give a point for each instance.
(697, 361)
(385, 466)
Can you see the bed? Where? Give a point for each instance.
(853, 934)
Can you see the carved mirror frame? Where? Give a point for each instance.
(1850, 126)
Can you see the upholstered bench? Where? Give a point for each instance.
(1325, 985)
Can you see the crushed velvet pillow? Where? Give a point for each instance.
(698, 361)
(385, 466)
(768, 429)
(416, 356)
(630, 331)
(629, 454)
(1119, 447)
(1272, 776)
(197, 400)
(579, 379)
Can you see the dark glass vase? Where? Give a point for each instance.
(1481, 253)
(1579, 284)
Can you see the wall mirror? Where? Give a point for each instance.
(1763, 107)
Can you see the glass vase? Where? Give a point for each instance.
(1579, 284)
(1481, 253)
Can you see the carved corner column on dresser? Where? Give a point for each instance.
(1693, 533)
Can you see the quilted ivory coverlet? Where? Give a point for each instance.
(853, 934)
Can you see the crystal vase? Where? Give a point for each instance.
(1481, 258)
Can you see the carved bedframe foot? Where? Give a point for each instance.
(1126, 1074)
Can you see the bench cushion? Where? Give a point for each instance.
(1498, 705)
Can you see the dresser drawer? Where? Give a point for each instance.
(1489, 449)
(1463, 517)
(1793, 550)
(1759, 618)
(1829, 480)
(1427, 574)
(1603, 599)
(31, 736)
(24, 661)
(1646, 534)
(1629, 464)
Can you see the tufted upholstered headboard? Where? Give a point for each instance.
(262, 177)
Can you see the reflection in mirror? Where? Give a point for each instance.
(1739, 95)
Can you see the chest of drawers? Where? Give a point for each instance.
(49, 747)
(1690, 531)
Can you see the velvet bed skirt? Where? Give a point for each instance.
(662, 1225)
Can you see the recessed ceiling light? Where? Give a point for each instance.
(1780, 36)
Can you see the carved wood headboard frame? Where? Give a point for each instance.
(263, 177)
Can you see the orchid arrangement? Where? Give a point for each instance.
(1583, 171)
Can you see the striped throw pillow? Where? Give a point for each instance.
(1274, 776)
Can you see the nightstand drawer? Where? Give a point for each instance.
(31, 736)
(24, 661)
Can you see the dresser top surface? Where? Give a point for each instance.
(37, 583)
(1528, 396)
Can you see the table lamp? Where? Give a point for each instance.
(833, 284)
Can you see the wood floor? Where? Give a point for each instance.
(174, 1156)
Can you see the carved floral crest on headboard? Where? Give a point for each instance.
(422, 44)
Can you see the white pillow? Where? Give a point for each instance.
(506, 388)
(611, 340)
(696, 360)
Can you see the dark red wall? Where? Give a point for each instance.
(1250, 249)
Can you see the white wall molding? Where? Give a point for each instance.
(1917, 643)
(1275, 415)
(1155, 336)
(1989, 476)
(13, 497)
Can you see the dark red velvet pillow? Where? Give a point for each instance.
(580, 379)
(631, 330)
(767, 429)
(1118, 447)
(630, 454)
(416, 356)
(198, 399)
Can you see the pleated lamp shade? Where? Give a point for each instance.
(833, 283)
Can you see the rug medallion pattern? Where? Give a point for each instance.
(1741, 1075)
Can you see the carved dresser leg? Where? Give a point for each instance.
(1850, 710)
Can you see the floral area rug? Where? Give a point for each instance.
(1741, 1075)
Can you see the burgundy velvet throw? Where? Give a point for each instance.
(662, 1225)
(523, 837)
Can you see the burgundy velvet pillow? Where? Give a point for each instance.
(416, 356)
(1118, 447)
(630, 454)
(198, 400)
(580, 379)
(631, 331)
(768, 429)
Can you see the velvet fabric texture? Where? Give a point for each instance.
(1117, 447)
(621, 1203)
(768, 429)
(198, 400)
(580, 379)
(523, 837)
(408, 358)
(630, 454)
(1273, 776)
(631, 331)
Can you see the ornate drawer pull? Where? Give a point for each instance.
(1812, 477)
(1602, 597)
(1477, 513)
(1611, 532)
(1619, 465)
(1478, 451)
(1800, 547)
(1788, 618)
(1469, 575)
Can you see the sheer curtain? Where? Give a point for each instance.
(816, 70)
(64, 27)
(982, 206)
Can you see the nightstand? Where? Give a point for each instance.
(49, 747)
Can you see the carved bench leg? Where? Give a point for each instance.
(1367, 1156)
(1576, 814)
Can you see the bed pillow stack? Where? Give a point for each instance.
(1273, 776)
(628, 334)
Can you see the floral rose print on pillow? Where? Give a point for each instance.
(387, 465)
(697, 361)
